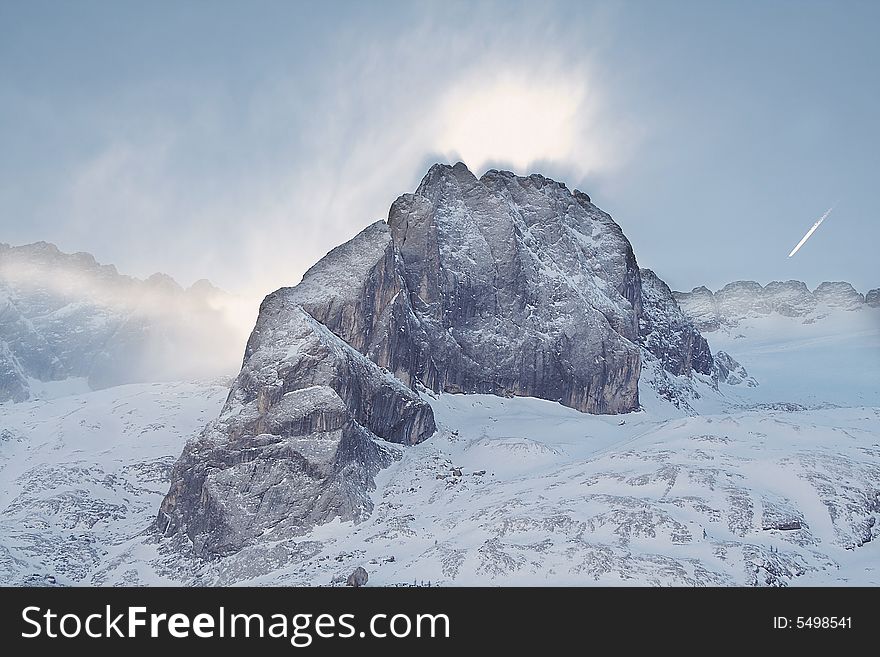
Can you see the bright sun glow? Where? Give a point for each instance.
(513, 120)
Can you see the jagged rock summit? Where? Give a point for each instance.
(505, 285)
(741, 300)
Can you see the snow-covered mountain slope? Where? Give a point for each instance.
(832, 361)
(747, 498)
(82, 475)
(68, 324)
(809, 348)
(744, 486)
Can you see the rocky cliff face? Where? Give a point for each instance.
(838, 295)
(297, 442)
(515, 286)
(743, 299)
(505, 285)
(65, 316)
(668, 333)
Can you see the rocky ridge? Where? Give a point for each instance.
(743, 299)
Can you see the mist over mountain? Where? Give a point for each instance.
(69, 324)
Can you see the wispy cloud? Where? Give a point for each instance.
(313, 156)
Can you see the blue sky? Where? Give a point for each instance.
(241, 141)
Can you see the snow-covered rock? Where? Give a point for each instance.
(729, 371)
(81, 476)
(668, 333)
(508, 285)
(700, 306)
(296, 443)
(741, 298)
(515, 286)
(772, 485)
(789, 298)
(839, 294)
(744, 300)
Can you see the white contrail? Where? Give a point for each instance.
(811, 231)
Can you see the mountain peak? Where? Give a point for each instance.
(742, 299)
(506, 285)
(163, 281)
(440, 175)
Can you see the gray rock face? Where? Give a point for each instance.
(729, 371)
(515, 286)
(791, 298)
(700, 306)
(668, 333)
(66, 316)
(357, 578)
(744, 299)
(13, 381)
(503, 285)
(872, 298)
(296, 443)
(838, 295)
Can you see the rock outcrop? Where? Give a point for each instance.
(504, 285)
(668, 333)
(13, 381)
(700, 306)
(358, 577)
(727, 370)
(515, 286)
(789, 298)
(741, 300)
(839, 294)
(296, 443)
(741, 297)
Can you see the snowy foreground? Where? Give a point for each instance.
(773, 485)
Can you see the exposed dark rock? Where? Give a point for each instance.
(514, 286)
(358, 577)
(668, 333)
(784, 525)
